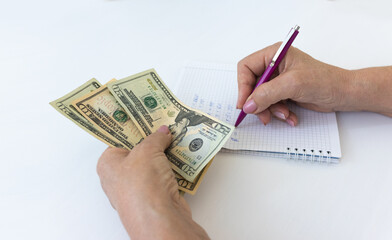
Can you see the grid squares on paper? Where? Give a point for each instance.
(212, 88)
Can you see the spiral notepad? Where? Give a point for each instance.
(212, 88)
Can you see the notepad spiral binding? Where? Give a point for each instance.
(308, 155)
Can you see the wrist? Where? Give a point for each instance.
(352, 91)
(156, 218)
(357, 91)
(143, 219)
(341, 88)
(369, 90)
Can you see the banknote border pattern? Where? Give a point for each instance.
(82, 122)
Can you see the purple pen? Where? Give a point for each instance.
(279, 55)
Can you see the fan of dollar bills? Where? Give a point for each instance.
(122, 112)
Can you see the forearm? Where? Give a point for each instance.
(157, 221)
(370, 89)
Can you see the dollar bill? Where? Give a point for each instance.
(63, 105)
(197, 137)
(107, 115)
(191, 187)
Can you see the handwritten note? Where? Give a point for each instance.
(212, 88)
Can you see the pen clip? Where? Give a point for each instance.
(289, 35)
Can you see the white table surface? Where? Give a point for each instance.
(48, 185)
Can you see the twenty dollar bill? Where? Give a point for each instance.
(107, 115)
(197, 137)
(63, 105)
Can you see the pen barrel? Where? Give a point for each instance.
(271, 67)
(266, 76)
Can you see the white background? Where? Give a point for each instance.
(48, 185)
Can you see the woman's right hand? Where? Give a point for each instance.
(299, 77)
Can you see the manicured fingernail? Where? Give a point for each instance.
(250, 106)
(290, 122)
(279, 115)
(163, 129)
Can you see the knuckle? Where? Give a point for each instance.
(144, 147)
(241, 79)
(240, 63)
(241, 66)
(277, 43)
(104, 162)
(101, 166)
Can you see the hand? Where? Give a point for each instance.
(140, 185)
(299, 77)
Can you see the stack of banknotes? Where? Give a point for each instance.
(123, 112)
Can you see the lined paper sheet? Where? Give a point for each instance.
(212, 88)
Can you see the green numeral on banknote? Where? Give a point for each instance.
(63, 105)
(197, 137)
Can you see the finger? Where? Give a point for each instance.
(280, 110)
(115, 151)
(160, 140)
(109, 159)
(280, 88)
(250, 68)
(292, 119)
(264, 116)
(113, 154)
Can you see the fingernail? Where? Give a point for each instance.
(290, 122)
(163, 129)
(250, 106)
(280, 115)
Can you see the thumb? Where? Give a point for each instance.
(160, 140)
(280, 88)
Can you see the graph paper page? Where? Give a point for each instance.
(212, 88)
